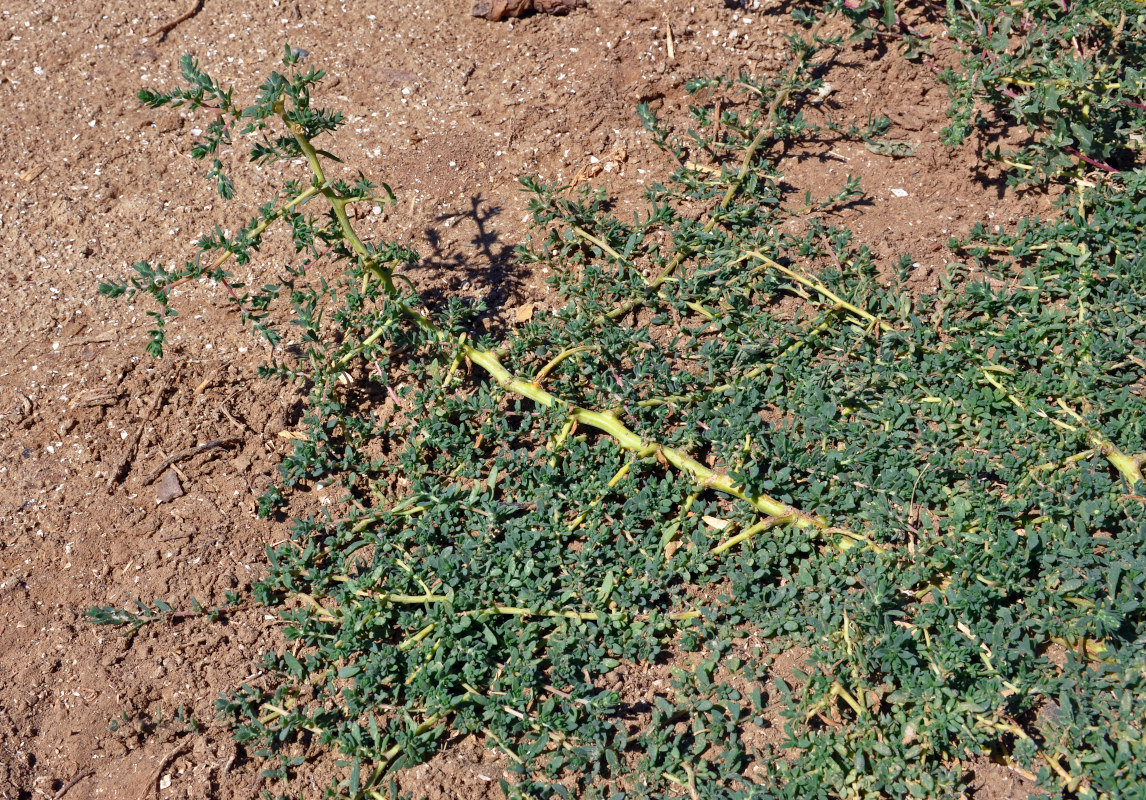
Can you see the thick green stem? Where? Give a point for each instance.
(388, 757)
(745, 535)
(599, 242)
(1130, 467)
(607, 423)
(500, 610)
(628, 440)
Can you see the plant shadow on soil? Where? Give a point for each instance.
(485, 259)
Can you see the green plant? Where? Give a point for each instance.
(146, 615)
(932, 494)
(1071, 73)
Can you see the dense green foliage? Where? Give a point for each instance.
(714, 452)
(1073, 73)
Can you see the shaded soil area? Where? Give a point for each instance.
(449, 110)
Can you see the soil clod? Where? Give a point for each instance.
(496, 10)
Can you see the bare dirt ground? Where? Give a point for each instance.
(448, 109)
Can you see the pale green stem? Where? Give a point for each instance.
(259, 229)
(599, 242)
(745, 167)
(503, 610)
(1130, 467)
(604, 422)
(564, 354)
(682, 254)
(338, 203)
(746, 534)
(817, 286)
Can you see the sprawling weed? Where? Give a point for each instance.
(940, 497)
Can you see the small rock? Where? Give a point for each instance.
(495, 10)
(169, 487)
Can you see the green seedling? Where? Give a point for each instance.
(159, 611)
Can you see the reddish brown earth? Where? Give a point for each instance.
(449, 110)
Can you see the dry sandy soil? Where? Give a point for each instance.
(449, 110)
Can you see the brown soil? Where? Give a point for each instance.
(449, 110)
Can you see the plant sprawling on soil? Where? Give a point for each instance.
(736, 435)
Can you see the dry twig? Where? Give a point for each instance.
(207, 381)
(153, 784)
(243, 427)
(170, 26)
(96, 397)
(121, 468)
(64, 789)
(190, 452)
(95, 338)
